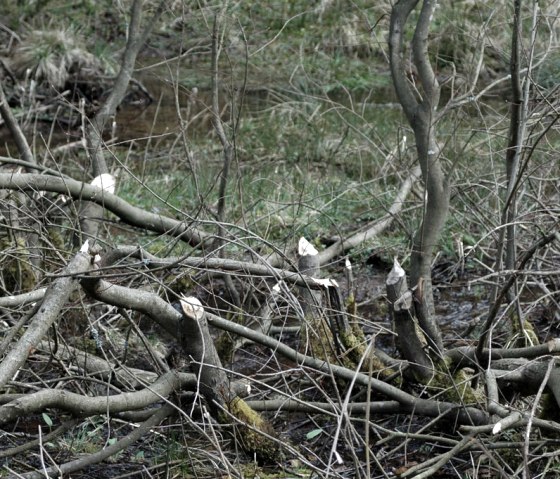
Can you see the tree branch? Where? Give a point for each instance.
(56, 296)
(131, 215)
(400, 13)
(420, 53)
(106, 452)
(80, 405)
(432, 408)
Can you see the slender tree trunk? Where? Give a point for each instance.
(435, 213)
(420, 109)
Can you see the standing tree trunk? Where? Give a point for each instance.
(420, 109)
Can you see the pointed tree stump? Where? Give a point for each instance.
(410, 339)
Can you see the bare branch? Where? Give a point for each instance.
(401, 12)
(129, 214)
(106, 452)
(56, 296)
(15, 130)
(420, 54)
(84, 406)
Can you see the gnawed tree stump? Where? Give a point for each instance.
(331, 336)
(410, 339)
(308, 264)
(413, 346)
(255, 433)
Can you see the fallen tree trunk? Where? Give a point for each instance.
(258, 436)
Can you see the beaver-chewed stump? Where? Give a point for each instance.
(256, 434)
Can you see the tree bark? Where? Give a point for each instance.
(308, 264)
(215, 386)
(56, 296)
(80, 405)
(125, 211)
(411, 340)
(421, 115)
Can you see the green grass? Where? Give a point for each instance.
(313, 143)
(304, 167)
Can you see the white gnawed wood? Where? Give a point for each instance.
(404, 302)
(308, 264)
(396, 274)
(85, 247)
(192, 307)
(506, 422)
(106, 182)
(350, 283)
(409, 337)
(305, 248)
(325, 282)
(338, 457)
(553, 345)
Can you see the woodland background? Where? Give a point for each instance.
(279, 239)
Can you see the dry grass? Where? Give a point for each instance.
(51, 56)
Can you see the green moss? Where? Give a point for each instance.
(251, 437)
(319, 339)
(179, 284)
(355, 343)
(457, 387)
(521, 337)
(56, 239)
(351, 307)
(17, 270)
